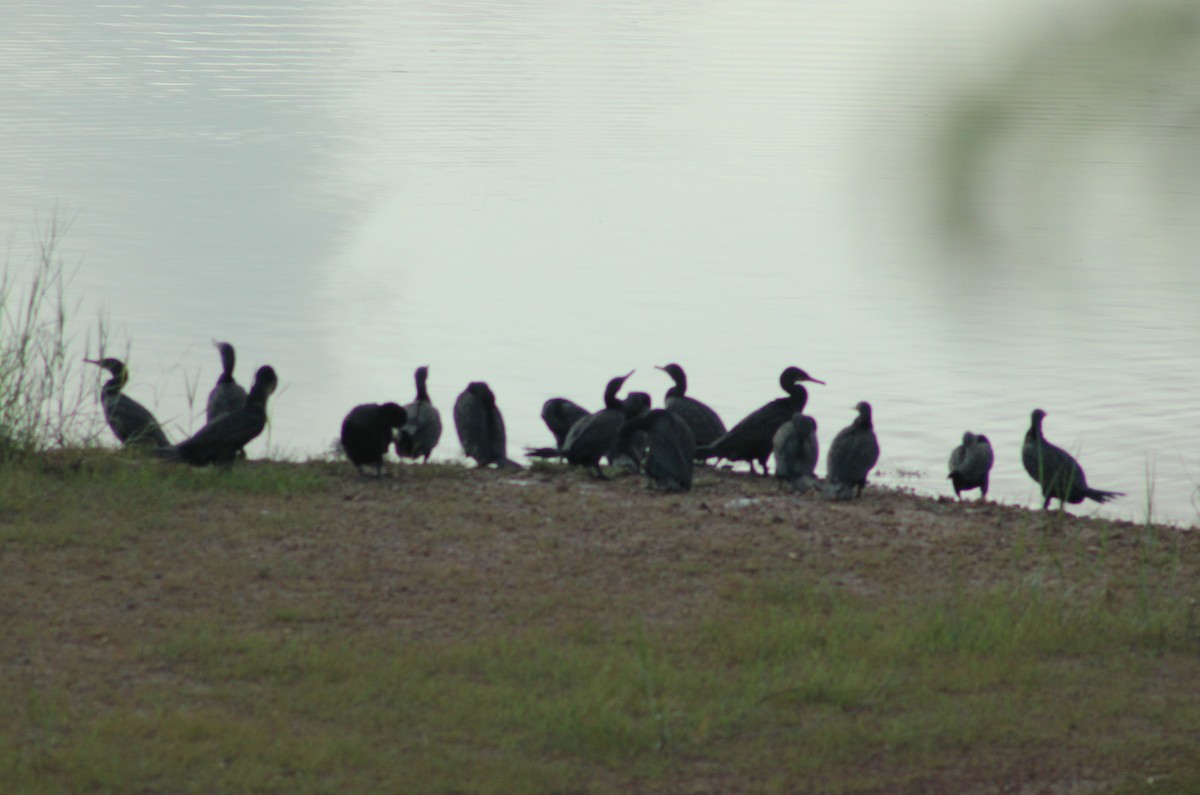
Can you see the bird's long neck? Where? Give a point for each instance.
(797, 397)
(422, 393)
(610, 397)
(227, 362)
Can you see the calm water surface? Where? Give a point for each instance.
(958, 211)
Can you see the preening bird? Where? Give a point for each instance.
(219, 441)
(228, 395)
(595, 436)
(670, 448)
(480, 426)
(1055, 470)
(367, 433)
(705, 423)
(423, 428)
(130, 421)
(752, 439)
(797, 452)
(560, 414)
(971, 464)
(851, 456)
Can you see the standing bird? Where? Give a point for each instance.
(670, 446)
(480, 426)
(228, 395)
(1056, 470)
(797, 452)
(367, 433)
(851, 456)
(130, 421)
(752, 439)
(970, 464)
(560, 414)
(219, 441)
(421, 432)
(706, 425)
(594, 436)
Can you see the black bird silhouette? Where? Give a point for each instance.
(797, 452)
(130, 421)
(595, 436)
(480, 426)
(629, 453)
(971, 464)
(423, 429)
(1056, 470)
(851, 456)
(670, 448)
(219, 441)
(367, 433)
(560, 414)
(706, 425)
(228, 395)
(752, 439)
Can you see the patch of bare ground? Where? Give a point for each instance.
(443, 554)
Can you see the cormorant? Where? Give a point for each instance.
(671, 448)
(594, 436)
(219, 441)
(560, 414)
(1056, 470)
(130, 421)
(797, 452)
(705, 424)
(367, 433)
(421, 432)
(630, 453)
(851, 456)
(752, 439)
(970, 464)
(481, 427)
(228, 395)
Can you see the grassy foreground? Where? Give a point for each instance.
(296, 628)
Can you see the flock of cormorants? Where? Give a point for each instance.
(663, 444)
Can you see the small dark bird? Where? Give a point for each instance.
(595, 436)
(970, 464)
(851, 456)
(480, 426)
(753, 438)
(629, 454)
(228, 395)
(796, 453)
(560, 414)
(219, 441)
(706, 425)
(421, 432)
(1056, 470)
(131, 422)
(670, 448)
(367, 433)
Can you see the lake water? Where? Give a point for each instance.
(959, 211)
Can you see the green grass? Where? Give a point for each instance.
(273, 628)
(803, 687)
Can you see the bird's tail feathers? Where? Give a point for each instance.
(1103, 496)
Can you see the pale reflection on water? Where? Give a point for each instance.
(959, 212)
